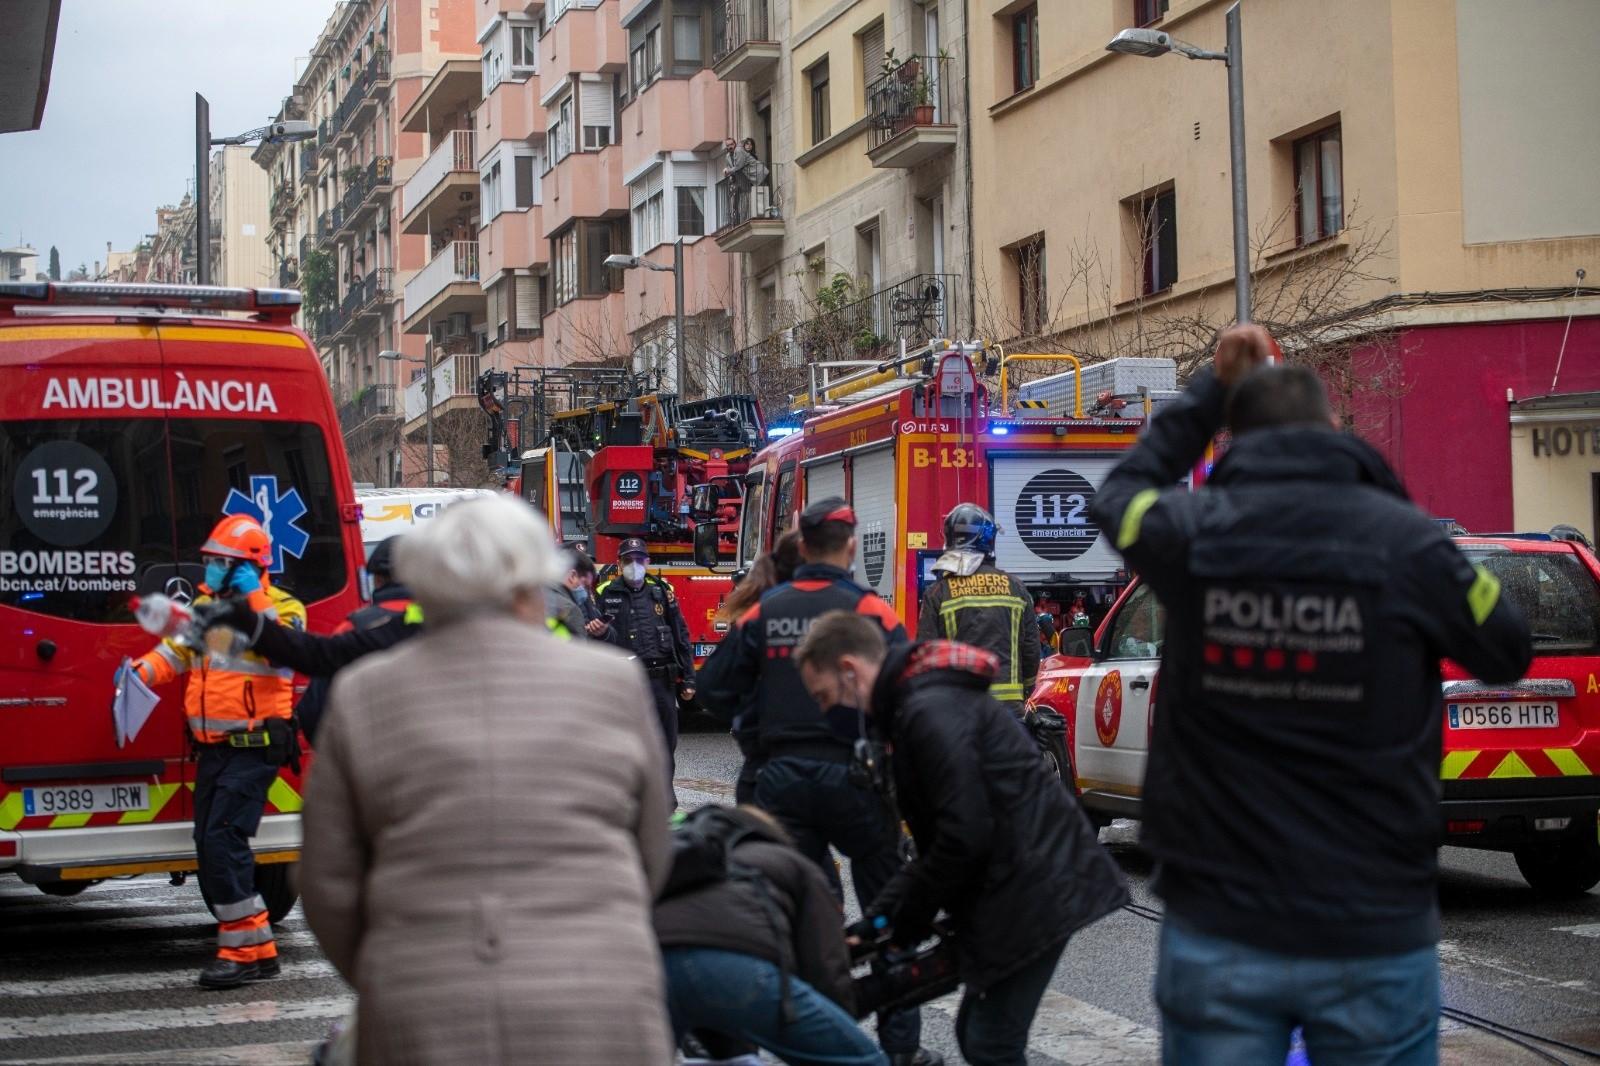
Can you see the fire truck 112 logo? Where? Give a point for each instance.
(874, 552)
(1052, 515)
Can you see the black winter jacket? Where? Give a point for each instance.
(754, 658)
(1292, 792)
(991, 610)
(1001, 845)
(377, 628)
(731, 916)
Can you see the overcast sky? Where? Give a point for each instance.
(118, 134)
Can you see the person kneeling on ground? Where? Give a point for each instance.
(1001, 847)
(753, 943)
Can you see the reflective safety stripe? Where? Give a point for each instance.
(413, 615)
(1006, 691)
(233, 912)
(11, 811)
(1568, 762)
(1512, 766)
(947, 613)
(557, 630)
(160, 795)
(282, 795)
(171, 655)
(242, 938)
(1483, 595)
(1133, 517)
(1455, 762)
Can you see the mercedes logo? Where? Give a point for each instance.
(178, 588)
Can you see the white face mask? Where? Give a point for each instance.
(633, 573)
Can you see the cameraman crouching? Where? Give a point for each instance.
(1001, 847)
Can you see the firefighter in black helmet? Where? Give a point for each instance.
(642, 616)
(975, 602)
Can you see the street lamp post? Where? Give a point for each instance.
(276, 133)
(427, 393)
(1149, 43)
(629, 262)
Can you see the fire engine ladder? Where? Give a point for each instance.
(868, 379)
(571, 496)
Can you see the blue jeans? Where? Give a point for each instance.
(739, 995)
(992, 1025)
(1226, 1002)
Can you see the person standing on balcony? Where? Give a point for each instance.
(738, 181)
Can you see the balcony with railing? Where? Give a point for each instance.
(749, 47)
(450, 170)
(377, 291)
(308, 244)
(749, 217)
(372, 402)
(455, 384)
(325, 227)
(909, 113)
(281, 202)
(289, 274)
(355, 190)
(448, 284)
(921, 307)
(308, 162)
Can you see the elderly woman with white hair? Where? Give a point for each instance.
(486, 821)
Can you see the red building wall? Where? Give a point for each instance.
(1444, 425)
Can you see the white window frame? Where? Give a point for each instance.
(492, 181)
(530, 31)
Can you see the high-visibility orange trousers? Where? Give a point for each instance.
(243, 932)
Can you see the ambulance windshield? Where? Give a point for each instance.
(100, 510)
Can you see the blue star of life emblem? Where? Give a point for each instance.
(278, 514)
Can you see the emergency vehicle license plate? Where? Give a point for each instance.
(1503, 715)
(702, 650)
(86, 799)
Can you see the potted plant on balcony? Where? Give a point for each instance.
(922, 101)
(351, 175)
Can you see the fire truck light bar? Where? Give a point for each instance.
(273, 303)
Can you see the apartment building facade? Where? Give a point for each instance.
(336, 213)
(864, 239)
(1420, 180)
(239, 195)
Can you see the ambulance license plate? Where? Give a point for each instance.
(1503, 715)
(86, 799)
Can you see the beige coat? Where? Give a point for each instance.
(485, 828)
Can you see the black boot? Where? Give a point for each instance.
(225, 973)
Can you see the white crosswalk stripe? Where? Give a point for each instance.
(145, 981)
(1071, 1031)
(292, 1053)
(165, 1018)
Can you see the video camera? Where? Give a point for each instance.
(900, 978)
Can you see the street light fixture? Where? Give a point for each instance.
(1149, 43)
(630, 262)
(427, 391)
(293, 129)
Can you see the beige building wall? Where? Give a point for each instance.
(1410, 85)
(239, 191)
(1555, 468)
(877, 226)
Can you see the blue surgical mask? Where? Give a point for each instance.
(581, 594)
(216, 574)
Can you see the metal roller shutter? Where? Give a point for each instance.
(1042, 504)
(872, 496)
(825, 479)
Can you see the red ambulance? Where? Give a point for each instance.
(132, 417)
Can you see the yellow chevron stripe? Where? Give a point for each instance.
(283, 796)
(1455, 764)
(71, 821)
(1568, 762)
(11, 811)
(160, 795)
(1512, 766)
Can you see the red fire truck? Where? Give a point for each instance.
(132, 417)
(906, 440)
(629, 468)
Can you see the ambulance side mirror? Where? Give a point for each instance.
(705, 544)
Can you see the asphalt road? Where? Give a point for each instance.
(108, 977)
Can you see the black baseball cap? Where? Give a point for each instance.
(831, 509)
(633, 546)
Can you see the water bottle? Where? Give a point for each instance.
(163, 616)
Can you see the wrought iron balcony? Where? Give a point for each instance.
(289, 274)
(748, 48)
(909, 113)
(749, 217)
(307, 246)
(917, 309)
(374, 401)
(325, 227)
(308, 161)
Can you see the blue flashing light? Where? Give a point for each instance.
(780, 431)
(999, 431)
(29, 597)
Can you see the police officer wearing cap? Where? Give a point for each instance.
(975, 602)
(640, 614)
(808, 782)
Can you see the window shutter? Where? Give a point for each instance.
(596, 103)
(528, 310)
(646, 187)
(494, 306)
(872, 54)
